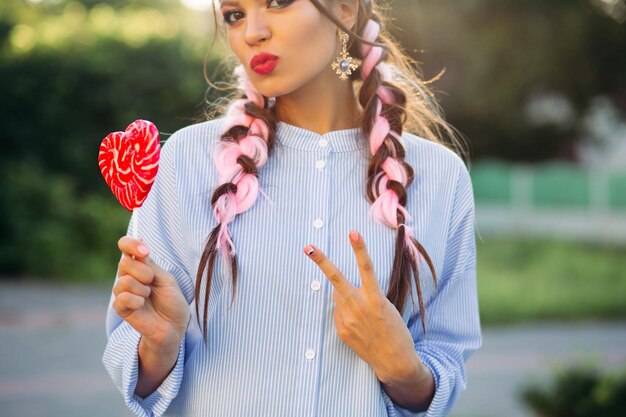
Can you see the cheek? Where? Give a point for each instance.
(312, 50)
(314, 39)
(233, 41)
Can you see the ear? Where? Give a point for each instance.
(347, 11)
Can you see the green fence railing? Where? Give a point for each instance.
(617, 191)
(553, 185)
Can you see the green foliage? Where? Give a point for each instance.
(498, 55)
(579, 392)
(76, 99)
(50, 231)
(532, 279)
(58, 218)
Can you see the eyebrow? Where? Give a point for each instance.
(236, 3)
(229, 3)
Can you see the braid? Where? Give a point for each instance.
(244, 147)
(388, 174)
(250, 135)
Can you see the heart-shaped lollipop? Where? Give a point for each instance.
(129, 162)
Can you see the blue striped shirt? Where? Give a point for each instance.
(275, 351)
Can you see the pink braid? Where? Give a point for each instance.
(254, 146)
(386, 206)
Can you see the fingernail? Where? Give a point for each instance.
(142, 250)
(354, 235)
(309, 250)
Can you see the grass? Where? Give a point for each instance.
(524, 279)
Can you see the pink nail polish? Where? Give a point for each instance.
(309, 250)
(142, 250)
(354, 235)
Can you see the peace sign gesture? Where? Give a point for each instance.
(365, 319)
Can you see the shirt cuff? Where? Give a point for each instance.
(393, 409)
(439, 406)
(155, 404)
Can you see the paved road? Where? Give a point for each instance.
(52, 338)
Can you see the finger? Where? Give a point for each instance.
(127, 283)
(125, 303)
(137, 250)
(137, 269)
(133, 247)
(366, 267)
(338, 298)
(333, 274)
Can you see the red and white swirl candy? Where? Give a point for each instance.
(129, 162)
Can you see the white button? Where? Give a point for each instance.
(310, 354)
(320, 164)
(315, 285)
(318, 223)
(323, 143)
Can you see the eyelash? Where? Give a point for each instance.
(227, 15)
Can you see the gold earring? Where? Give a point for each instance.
(344, 64)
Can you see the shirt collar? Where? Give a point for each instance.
(345, 140)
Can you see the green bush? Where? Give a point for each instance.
(50, 231)
(59, 106)
(58, 219)
(579, 392)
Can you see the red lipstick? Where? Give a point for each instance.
(263, 63)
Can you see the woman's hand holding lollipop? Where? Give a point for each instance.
(146, 296)
(149, 298)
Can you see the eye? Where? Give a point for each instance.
(231, 13)
(279, 3)
(232, 16)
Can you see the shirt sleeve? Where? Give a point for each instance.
(452, 316)
(159, 225)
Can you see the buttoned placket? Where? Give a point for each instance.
(322, 154)
(318, 153)
(320, 162)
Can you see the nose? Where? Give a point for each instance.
(257, 29)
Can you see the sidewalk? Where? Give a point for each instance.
(52, 338)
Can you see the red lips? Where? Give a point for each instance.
(263, 63)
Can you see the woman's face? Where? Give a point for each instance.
(301, 38)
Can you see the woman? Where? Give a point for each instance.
(217, 312)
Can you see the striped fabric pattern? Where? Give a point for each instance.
(275, 351)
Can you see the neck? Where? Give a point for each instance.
(323, 105)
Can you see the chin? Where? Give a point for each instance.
(271, 89)
(274, 84)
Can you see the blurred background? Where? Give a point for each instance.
(537, 87)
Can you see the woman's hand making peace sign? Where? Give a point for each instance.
(366, 320)
(373, 328)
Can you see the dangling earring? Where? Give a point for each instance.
(344, 64)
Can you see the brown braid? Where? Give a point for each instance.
(403, 264)
(209, 254)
